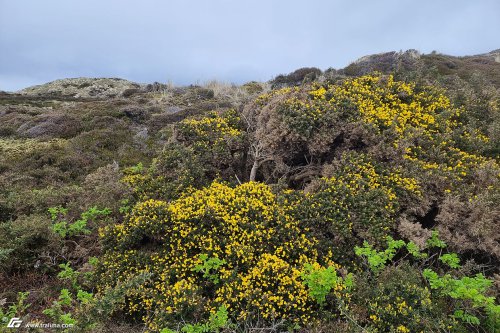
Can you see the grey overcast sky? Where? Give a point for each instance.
(235, 41)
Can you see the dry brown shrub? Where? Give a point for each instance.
(413, 232)
(104, 186)
(470, 226)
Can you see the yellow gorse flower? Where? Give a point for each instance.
(263, 248)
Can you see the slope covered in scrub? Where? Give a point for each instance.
(356, 200)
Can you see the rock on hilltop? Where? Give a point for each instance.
(82, 87)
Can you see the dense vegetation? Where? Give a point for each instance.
(355, 200)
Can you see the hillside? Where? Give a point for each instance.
(362, 199)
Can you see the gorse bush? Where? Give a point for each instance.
(407, 128)
(217, 139)
(176, 169)
(212, 129)
(219, 246)
(301, 75)
(358, 200)
(201, 149)
(378, 101)
(24, 240)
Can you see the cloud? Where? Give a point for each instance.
(189, 41)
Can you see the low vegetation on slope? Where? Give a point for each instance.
(331, 203)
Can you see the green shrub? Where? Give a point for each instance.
(471, 291)
(297, 77)
(23, 242)
(173, 171)
(56, 311)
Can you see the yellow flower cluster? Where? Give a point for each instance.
(404, 111)
(476, 134)
(272, 289)
(403, 329)
(265, 98)
(392, 104)
(419, 118)
(379, 101)
(262, 248)
(454, 164)
(213, 128)
(361, 174)
(356, 198)
(318, 93)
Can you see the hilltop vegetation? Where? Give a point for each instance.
(363, 199)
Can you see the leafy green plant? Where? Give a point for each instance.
(209, 267)
(321, 281)
(135, 169)
(413, 249)
(215, 323)
(68, 273)
(57, 212)
(124, 206)
(56, 311)
(68, 310)
(434, 240)
(377, 260)
(61, 228)
(471, 289)
(84, 297)
(14, 310)
(450, 259)
(94, 212)
(79, 227)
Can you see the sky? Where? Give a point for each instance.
(188, 42)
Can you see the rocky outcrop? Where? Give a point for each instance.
(83, 88)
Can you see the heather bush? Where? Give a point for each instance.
(297, 77)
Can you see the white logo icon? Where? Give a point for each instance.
(14, 323)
